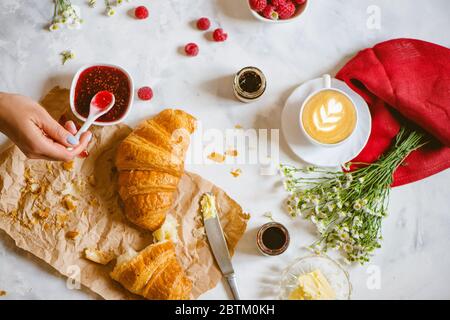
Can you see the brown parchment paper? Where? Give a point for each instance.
(34, 214)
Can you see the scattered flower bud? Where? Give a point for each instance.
(66, 56)
(54, 27)
(110, 12)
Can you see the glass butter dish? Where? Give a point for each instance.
(332, 272)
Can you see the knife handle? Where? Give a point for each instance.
(231, 278)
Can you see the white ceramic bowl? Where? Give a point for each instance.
(296, 16)
(331, 270)
(74, 84)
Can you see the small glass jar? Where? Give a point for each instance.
(249, 84)
(272, 239)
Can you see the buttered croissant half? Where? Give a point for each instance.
(150, 163)
(154, 273)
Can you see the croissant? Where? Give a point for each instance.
(150, 162)
(154, 273)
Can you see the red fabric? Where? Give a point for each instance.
(405, 79)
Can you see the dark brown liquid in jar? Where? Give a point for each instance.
(274, 238)
(250, 81)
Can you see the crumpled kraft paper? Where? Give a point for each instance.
(55, 211)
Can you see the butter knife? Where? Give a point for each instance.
(217, 241)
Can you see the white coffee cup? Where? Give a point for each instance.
(326, 87)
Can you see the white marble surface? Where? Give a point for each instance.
(414, 261)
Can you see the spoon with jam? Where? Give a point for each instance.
(100, 104)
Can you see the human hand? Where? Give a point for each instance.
(36, 133)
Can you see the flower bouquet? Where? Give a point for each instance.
(348, 207)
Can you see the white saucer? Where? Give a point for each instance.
(323, 156)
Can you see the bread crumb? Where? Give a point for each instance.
(216, 157)
(232, 153)
(42, 214)
(13, 214)
(2, 293)
(236, 173)
(35, 188)
(61, 219)
(72, 234)
(68, 202)
(98, 256)
(68, 165)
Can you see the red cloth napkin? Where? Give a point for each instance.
(411, 77)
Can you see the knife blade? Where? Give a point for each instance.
(217, 242)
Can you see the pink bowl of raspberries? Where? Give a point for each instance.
(277, 11)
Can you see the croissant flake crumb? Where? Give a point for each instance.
(232, 153)
(35, 187)
(61, 219)
(238, 126)
(2, 293)
(13, 214)
(68, 202)
(98, 256)
(236, 173)
(68, 166)
(216, 157)
(71, 235)
(42, 214)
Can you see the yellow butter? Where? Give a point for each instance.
(208, 206)
(168, 230)
(313, 286)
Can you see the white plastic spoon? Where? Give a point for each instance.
(100, 104)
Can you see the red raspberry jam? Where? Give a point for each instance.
(103, 99)
(103, 78)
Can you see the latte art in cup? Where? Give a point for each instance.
(329, 117)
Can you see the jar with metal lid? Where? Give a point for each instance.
(249, 84)
(272, 239)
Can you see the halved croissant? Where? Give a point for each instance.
(154, 273)
(150, 163)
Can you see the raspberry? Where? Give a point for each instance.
(84, 154)
(270, 13)
(300, 2)
(219, 35)
(203, 24)
(286, 10)
(141, 12)
(276, 3)
(145, 93)
(258, 5)
(191, 49)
